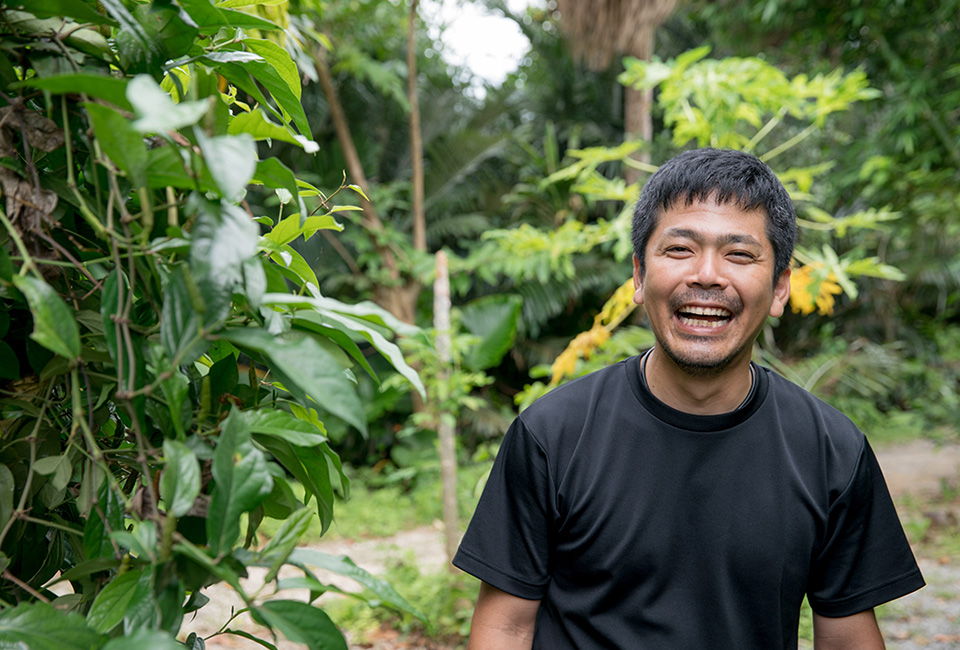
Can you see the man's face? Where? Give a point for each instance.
(708, 285)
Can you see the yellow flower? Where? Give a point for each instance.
(813, 287)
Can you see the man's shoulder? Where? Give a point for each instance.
(804, 412)
(586, 389)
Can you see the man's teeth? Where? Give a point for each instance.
(686, 316)
(705, 311)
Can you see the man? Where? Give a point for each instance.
(688, 498)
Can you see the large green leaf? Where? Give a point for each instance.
(327, 313)
(245, 76)
(307, 370)
(231, 161)
(301, 623)
(278, 549)
(109, 307)
(143, 611)
(111, 603)
(310, 467)
(111, 89)
(277, 57)
(256, 124)
(211, 19)
(39, 626)
(280, 424)
(120, 142)
(155, 109)
(180, 484)
(104, 519)
(223, 238)
(291, 227)
(54, 326)
(9, 363)
(241, 481)
(342, 565)
(495, 320)
(82, 12)
(179, 319)
(273, 173)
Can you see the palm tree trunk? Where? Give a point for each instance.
(416, 138)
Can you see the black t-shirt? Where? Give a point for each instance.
(640, 526)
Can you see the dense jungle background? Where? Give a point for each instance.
(273, 271)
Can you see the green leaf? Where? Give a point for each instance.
(109, 303)
(103, 520)
(6, 495)
(301, 623)
(146, 639)
(280, 424)
(156, 112)
(314, 322)
(241, 481)
(243, 76)
(495, 320)
(223, 238)
(288, 258)
(180, 484)
(9, 364)
(324, 316)
(309, 466)
(292, 227)
(231, 161)
(39, 626)
(6, 266)
(111, 603)
(142, 540)
(179, 320)
(111, 89)
(257, 125)
(277, 57)
(67, 9)
(284, 541)
(53, 324)
(211, 19)
(273, 173)
(50, 464)
(306, 369)
(342, 565)
(143, 611)
(119, 141)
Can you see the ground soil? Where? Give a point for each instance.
(929, 619)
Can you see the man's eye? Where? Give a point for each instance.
(742, 255)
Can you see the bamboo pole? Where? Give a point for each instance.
(445, 421)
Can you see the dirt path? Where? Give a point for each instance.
(926, 620)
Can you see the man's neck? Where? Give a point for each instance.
(698, 395)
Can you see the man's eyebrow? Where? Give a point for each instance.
(731, 238)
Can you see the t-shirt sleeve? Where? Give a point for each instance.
(506, 543)
(865, 560)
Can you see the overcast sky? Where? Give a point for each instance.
(484, 42)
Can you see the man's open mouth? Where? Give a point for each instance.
(703, 316)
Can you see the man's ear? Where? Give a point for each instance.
(637, 282)
(781, 294)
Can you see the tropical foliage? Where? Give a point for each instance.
(169, 362)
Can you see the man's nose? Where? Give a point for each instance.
(707, 271)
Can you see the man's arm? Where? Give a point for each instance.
(857, 632)
(502, 621)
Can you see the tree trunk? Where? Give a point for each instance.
(400, 298)
(416, 138)
(638, 104)
(445, 426)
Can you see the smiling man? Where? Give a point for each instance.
(688, 498)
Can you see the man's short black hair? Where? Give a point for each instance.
(726, 176)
